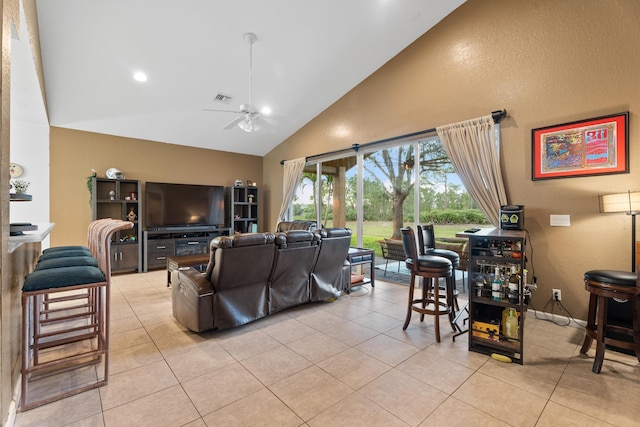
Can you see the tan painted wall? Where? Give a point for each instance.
(75, 153)
(546, 62)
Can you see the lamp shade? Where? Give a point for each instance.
(628, 202)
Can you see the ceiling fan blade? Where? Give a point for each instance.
(248, 108)
(223, 111)
(234, 123)
(263, 123)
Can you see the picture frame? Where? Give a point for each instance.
(596, 146)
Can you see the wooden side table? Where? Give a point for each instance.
(174, 263)
(359, 256)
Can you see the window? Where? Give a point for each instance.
(391, 193)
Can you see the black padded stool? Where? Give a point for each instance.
(609, 288)
(427, 246)
(431, 268)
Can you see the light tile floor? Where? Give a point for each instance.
(341, 363)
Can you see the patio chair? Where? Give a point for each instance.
(392, 250)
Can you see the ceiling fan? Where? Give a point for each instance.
(251, 119)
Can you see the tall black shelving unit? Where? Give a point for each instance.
(242, 209)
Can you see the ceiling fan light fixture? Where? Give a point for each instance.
(249, 125)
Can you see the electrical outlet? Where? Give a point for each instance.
(556, 294)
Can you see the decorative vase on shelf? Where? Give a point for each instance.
(20, 186)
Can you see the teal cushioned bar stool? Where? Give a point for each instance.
(65, 248)
(51, 325)
(64, 253)
(73, 255)
(54, 278)
(77, 250)
(65, 322)
(609, 290)
(431, 268)
(73, 261)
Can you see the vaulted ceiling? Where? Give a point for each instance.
(307, 55)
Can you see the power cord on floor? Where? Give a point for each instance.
(569, 315)
(557, 302)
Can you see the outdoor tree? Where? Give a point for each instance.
(393, 170)
(375, 205)
(388, 185)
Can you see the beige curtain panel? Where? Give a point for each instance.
(473, 150)
(292, 174)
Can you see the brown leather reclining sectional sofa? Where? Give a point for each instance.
(250, 276)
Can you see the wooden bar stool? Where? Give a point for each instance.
(431, 268)
(65, 321)
(427, 246)
(608, 288)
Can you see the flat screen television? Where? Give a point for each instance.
(170, 206)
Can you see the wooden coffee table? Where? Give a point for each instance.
(174, 263)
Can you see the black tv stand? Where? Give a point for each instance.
(166, 242)
(184, 228)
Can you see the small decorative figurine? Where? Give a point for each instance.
(131, 216)
(112, 195)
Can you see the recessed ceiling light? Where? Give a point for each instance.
(266, 111)
(140, 76)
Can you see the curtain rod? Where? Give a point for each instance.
(496, 115)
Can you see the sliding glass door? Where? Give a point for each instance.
(376, 192)
(330, 199)
(388, 180)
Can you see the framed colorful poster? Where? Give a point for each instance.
(597, 146)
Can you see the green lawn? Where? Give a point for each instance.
(374, 231)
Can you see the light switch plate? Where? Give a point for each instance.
(560, 220)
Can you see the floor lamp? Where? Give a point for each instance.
(628, 203)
